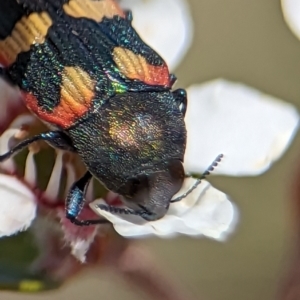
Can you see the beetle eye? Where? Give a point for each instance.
(134, 185)
(135, 182)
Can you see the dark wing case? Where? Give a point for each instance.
(71, 56)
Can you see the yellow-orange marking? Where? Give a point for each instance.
(76, 96)
(93, 9)
(77, 86)
(135, 66)
(29, 30)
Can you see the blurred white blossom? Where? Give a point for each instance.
(18, 201)
(18, 205)
(291, 13)
(250, 128)
(166, 25)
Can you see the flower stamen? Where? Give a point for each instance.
(70, 175)
(52, 190)
(30, 173)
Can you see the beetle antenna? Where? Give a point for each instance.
(117, 210)
(203, 176)
(121, 210)
(128, 211)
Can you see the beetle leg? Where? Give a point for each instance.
(75, 202)
(55, 138)
(61, 141)
(180, 97)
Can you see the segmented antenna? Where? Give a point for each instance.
(203, 176)
(116, 210)
(121, 210)
(128, 211)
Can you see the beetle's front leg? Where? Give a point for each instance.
(75, 202)
(55, 138)
(61, 141)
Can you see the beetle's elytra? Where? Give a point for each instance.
(84, 70)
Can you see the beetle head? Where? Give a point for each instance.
(149, 193)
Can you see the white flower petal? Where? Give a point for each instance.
(291, 12)
(205, 211)
(17, 205)
(165, 25)
(134, 226)
(9, 164)
(10, 137)
(80, 248)
(214, 215)
(250, 128)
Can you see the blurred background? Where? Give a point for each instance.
(249, 42)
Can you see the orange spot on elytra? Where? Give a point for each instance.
(91, 9)
(77, 94)
(135, 66)
(31, 29)
(61, 115)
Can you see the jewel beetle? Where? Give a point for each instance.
(106, 95)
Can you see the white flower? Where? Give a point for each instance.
(251, 129)
(18, 205)
(18, 202)
(166, 25)
(20, 196)
(206, 211)
(291, 12)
